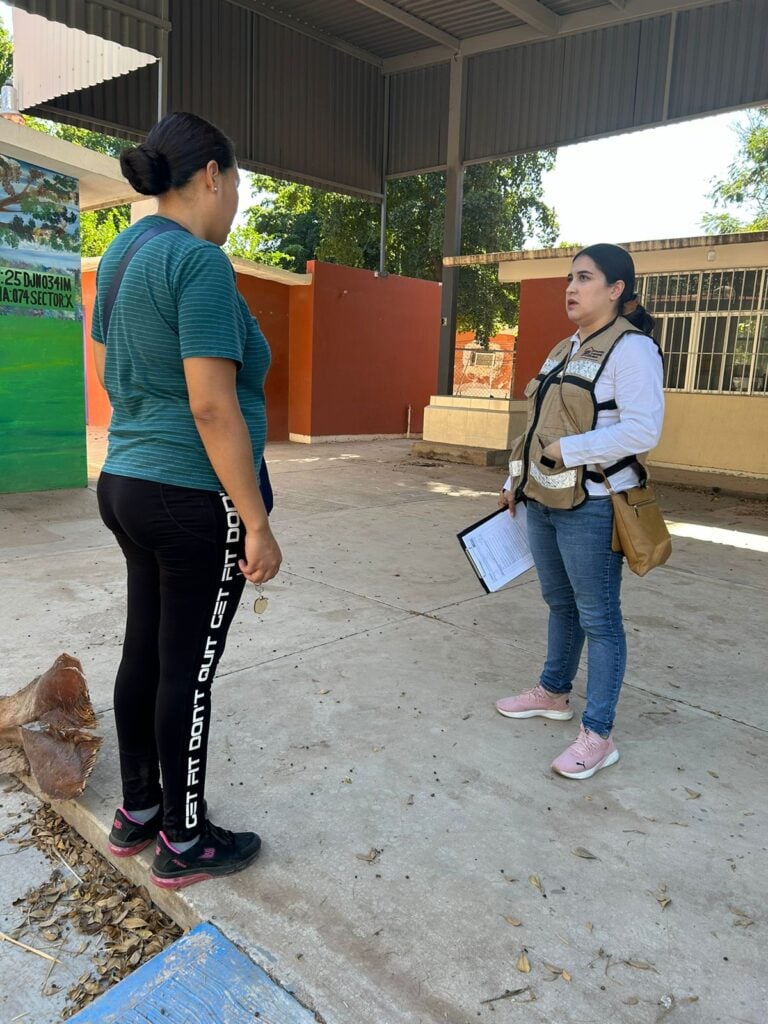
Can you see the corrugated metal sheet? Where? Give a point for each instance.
(125, 107)
(303, 109)
(50, 59)
(655, 37)
(139, 24)
(462, 20)
(598, 84)
(294, 107)
(418, 119)
(720, 58)
(549, 94)
(514, 99)
(196, 79)
(355, 24)
(316, 112)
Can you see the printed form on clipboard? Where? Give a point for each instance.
(497, 547)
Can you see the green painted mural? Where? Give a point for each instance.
(42, 404)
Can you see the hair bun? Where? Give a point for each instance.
(146, 169)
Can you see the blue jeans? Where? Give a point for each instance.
(580, 581)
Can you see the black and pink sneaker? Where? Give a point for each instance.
(217, 852)
(128, 836)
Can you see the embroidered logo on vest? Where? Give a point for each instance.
(592, 353)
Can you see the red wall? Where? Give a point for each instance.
(373, 352)
(269, 301)
(542, 324)
(350, 351)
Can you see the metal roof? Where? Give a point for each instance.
(569, 251)
(344, 93)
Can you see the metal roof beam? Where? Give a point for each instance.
(604, 16)
(533, 13)
(424, 28)
(263, 9)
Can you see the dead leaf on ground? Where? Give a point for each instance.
(95, 899)
(585, 854)
(692, 794)
(372, 855)
(661, 896)
(523, 963)
(409, 801)
(536, 883)
(515, 922)
(743, 920)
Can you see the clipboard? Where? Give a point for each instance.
(497, 547)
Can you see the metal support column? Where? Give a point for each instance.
(454, 195)
(384, 163)
(162, 70)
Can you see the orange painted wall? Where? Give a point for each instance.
(98, 411)
(302, 304)
(373, 352)
(269, 303)
(542, 324)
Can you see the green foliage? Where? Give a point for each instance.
(283, 230)
(503, 210)
(6, 56)
(746, 186)
(99, 227)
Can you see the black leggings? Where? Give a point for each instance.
(181, 546)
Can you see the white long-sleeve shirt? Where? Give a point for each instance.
(633, 377)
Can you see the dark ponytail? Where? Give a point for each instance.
(617, 265)
(177, 147)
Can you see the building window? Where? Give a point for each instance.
(483, 359)
(712, 328)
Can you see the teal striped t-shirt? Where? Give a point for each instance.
(178, 299)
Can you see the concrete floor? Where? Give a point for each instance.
(357, 715)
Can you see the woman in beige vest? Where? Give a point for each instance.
(596, 407)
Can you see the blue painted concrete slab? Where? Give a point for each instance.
(201, 979)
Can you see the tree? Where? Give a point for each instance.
(6, 56)
(745, 187)
(503, 210)
(284, 230)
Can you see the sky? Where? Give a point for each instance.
(641, 185)
(649, 184)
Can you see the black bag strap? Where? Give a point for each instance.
(117, 280)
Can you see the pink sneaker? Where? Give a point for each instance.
(536, 703)
(588, 753)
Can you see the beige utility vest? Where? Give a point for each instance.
(561, 402)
